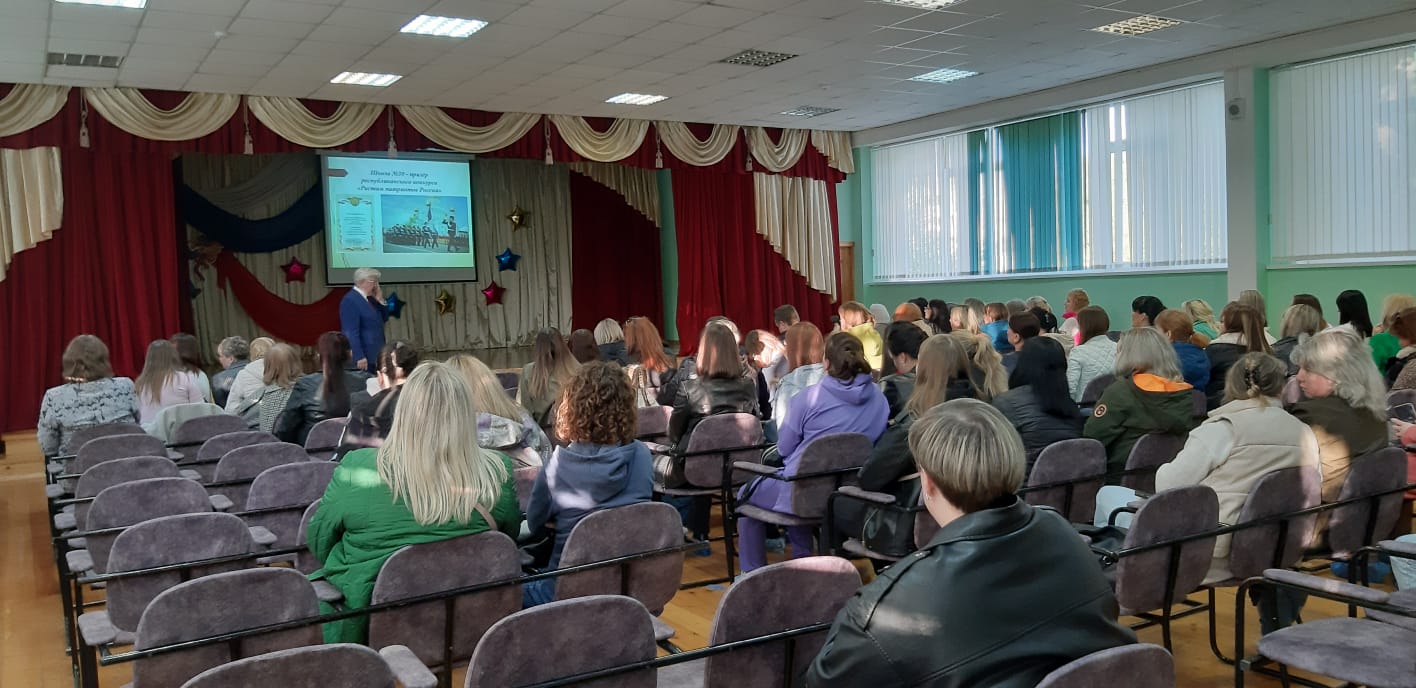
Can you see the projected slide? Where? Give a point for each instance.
(410, 217)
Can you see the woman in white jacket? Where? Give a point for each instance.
(1094, 355)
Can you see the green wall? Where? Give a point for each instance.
(1326, 283)
(668, 254)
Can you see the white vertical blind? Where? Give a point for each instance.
(1155, 180)
(1343, 155)
(920, 194)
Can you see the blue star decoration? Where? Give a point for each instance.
(395, 305)
(507, 260)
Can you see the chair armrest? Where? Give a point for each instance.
(53, 491)
(221, 502)
(96, 629)
(656, 448)
(1327, 585)
(759, 469)
(1111, 520)
(190, 474)
(262, 536)
(326, 592)
(1396, 548)
(865, 495)
(407, 668)
(65, 521)
(79, 560)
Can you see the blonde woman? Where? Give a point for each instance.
(501, 423)
(858, 321)
(1300, 321)
(280, 370)
(551, 365)
(1076, 300)
(250, 380)
(987, 372)
(1150, 396)
(609, 336)
(1202, 317)
(428, 482)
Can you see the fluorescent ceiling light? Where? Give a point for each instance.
(944, 76)
(452, 27)
(128, 4)
(365, 79)
(635, 99)
(809, 111)
(1138, 25)
(922, 4)
(83, 60)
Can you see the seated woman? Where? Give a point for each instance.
(191, 354)
(1243, 333)
(280, 370)
(1382, 342)
(1401, 368)
(846, 400)
(249, 382)
(1144, 310)
(609, 337)
(768, 355)
(804, 367)
(902, 343)
(1300, 321)
(1201, 318)
(428, 482)
(1095, 353)
(937, 315)
(582, 346)
(371, 416)
(1076, 300)
(1005, 592)
(856, 320)
(602, 467)
(650, 367)
(323, 394)
(1189, 346)
(1354, 317)
(551, 364)
(89, 396)
(986, 370)
(501, 423)
(1149, 397)
(164, 382)
(1345, 404)
(1037, 403)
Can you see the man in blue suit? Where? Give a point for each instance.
(362, 314)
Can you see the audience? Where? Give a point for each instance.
(1144, 309)
(846, 400)
(191, 354)
(251, 379)
(1149, 397)
(784, 317)
(164, 382)
(1243, 332)
(908, 312)
(766, 354)
(995, 326)
(856, 320)
(551, 365)
(1201, 319)
(938, 317)
(1004, 593)
(1179, 329)
(650, 367)
(1255, 300)
(602, 467)
(234, 354)
(1401, 368)
(717, 387)
(1022, 328)
(1095, 353)
(501, 424)
(280, 371)
(1300, 321)
(805, 352)
(1382, 342)
(371, 416)
(1039, 307)
(902, 342)
(609, 337)
(321, 394)
(1037, 402)
(1076, 300)
(583, 347)
(975, 315)
(429, 482)
(1353, 314)
(880, 314)
(89, 396)
(1015, 306)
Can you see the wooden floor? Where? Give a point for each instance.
(32, 632)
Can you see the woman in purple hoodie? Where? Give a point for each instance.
(846, 400)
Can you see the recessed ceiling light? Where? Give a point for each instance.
(635, 99)
(1138, 25)
(922, 4)
(809, 111)
(365, 79)
(944, 76)
(81, 60)
(452, 27)
(127, 4)
(757, 58)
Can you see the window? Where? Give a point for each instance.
(1132, 184)
(1343, 156)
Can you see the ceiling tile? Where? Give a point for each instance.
(615, 25)
(265, 59)
(95, 32)
(287, 10)
(254, 43)
(170, 54)
(367, 19)
(220, 83)
(224, 8)
(578, 5)
(714, 15)
(486, 10)
(21, 73)
(546, 17)
(679, 32)
(349, 34)
(64, 13)
(74, 45)
(348, 51)
(651, 9)
(263, 27)
(184, 21)
(616, 60)
(80, 76)
(233, 69)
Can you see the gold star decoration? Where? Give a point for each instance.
(447, 303)
(518, 218)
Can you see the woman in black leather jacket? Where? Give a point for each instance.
(718, 385)
(320, 395)
(1037, 403)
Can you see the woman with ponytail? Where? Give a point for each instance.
(1242, 332)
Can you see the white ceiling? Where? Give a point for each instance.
(568, 56)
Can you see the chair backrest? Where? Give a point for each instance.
(1280, 492)
(223, 603)
(774, 598)
(116, 472)
(620, 532)
(826, 453)
(1355, 526)
(1135, 666)
(1069, 460)
(133, 502)
(305, 560)
(525, 477)
(1151, 452)
(170, 540)
(102, 449)
(341, 664)
(324, 438)
(510, 380)
(1172, 514)
(437, 566)
(216, 447)
(245, 463)
(588, 634)
(287, 485)
(723, 431)
(654, 421)
(1092, 393)
(195, 431)
(83, 435)
(1199, 404)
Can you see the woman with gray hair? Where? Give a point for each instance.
(1149, 397)
(1345, 404)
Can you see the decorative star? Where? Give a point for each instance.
(447, 303)
(507, 260)
(395, 305)
(494, 293)
(518, 218)
(295, 270)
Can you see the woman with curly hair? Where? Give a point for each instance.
(604, 466)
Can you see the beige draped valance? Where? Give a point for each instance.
(682, 144)
(614, 144)
(31, 200)
(780, 156)
(27, 106)
(836, 146)
(291, 120)
(447, 132)
(196, 116)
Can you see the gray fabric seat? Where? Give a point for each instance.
(130, 503)
(324, 438)
(1141, 579)
(305, 561)
(654, 423)
(619, 532)
(108, 474)
(832, 452)
(1150, 452)
(1068, 460)
(290, 487)
(1400, 598)
(82, 436)
(1133, 666)
(189, 437)
(1354, 650)
(108, 448)
(241, 465)
(216, 447)
(588, 634)
(1353, 526)
(341, 664)
(779, 597)
(1092, 393)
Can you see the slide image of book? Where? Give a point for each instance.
(425, 224)
(354, 223)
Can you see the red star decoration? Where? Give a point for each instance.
(494, 292)
(295, 270)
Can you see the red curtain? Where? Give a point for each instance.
(291, 322)
(725, 267)
(614, 257)
(111, 271)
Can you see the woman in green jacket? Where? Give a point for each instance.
(1148, 397)
(428, 482)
